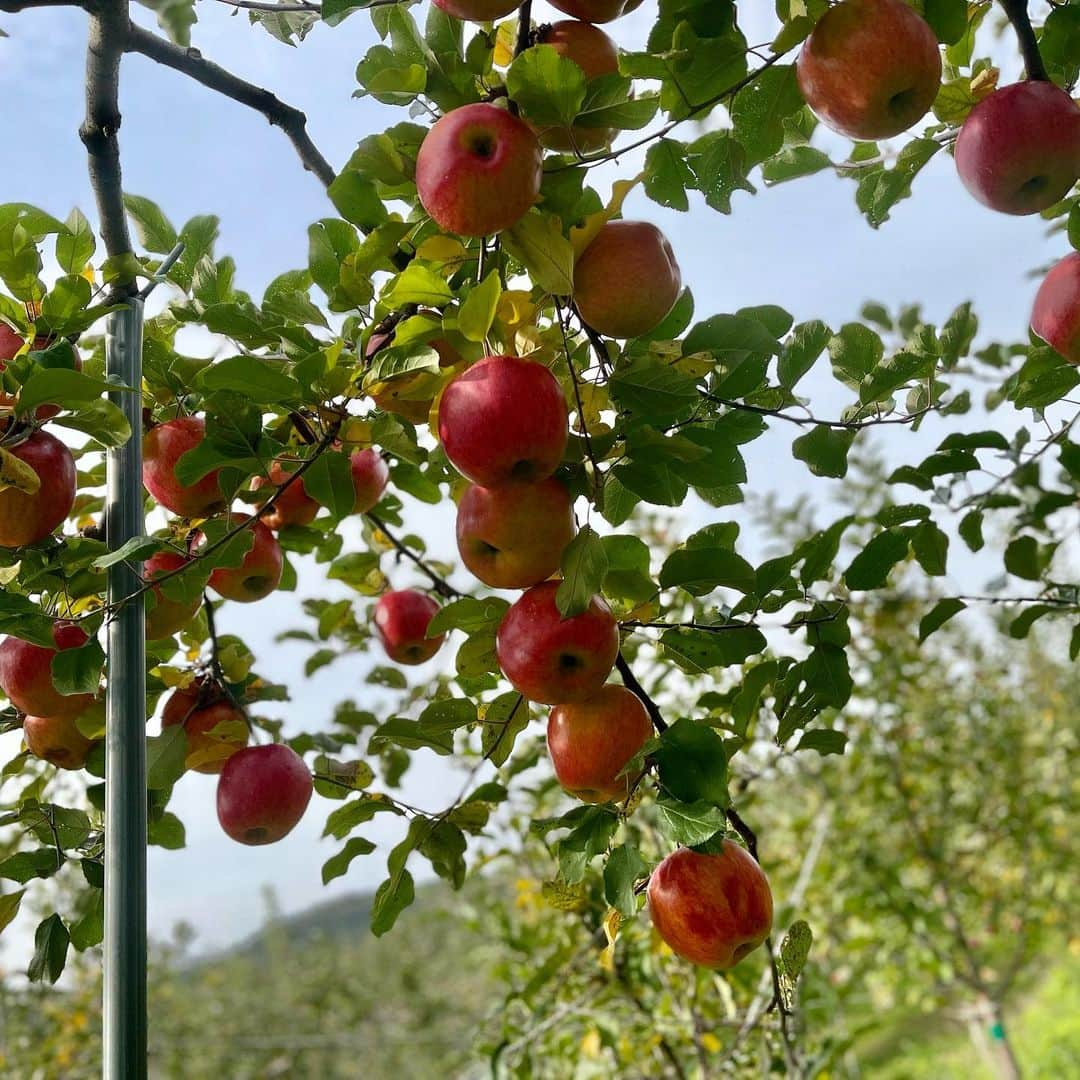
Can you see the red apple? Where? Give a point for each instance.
(504, 419)
(478, 170)
(26, 675)
(163, 446)
(626, 280)
(1019, 149)
(56, 740)
(711, 909)
(513, 536)
(260, 572)
(10, 344)
(595, 53)
(402, 618)
(870, 69)
(596, 11)
(165, 617)
(294, 505)
(477, 10)
(370, 474)
(1056, 315)
(591, 742)
(215, 728)
(263, 793)
(26, 518)
(551, 659)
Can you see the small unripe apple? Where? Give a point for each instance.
(870, 69)
(262, 793)
(402, 617)
(260, 572)
(477, 10)
(163, 446)
(513, 536)
(712, 910)
(478, 170)
(591, 742)
(595, 53)
(56, 740)
(201, 708)
(551, 659)
(165, 617)
(10, 344)
(596, 11)
(26, 675)
(370, 474)
(1056, 314)
(26, 518)
(626, 280)
(1018, 151)
(504, 419)
(294, 505)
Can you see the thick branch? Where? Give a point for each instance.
(191, 62)
(15, 6)
(1017, 11)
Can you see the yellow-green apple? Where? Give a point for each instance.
(870, 69)
(1056, 314)
(595, 53)
(10, 344)
(370, 474)
(215, 727)
(504, 419)
(711, 909)
(163, 446)
(294, 506)
(260, 572)
(27, 517)
(26, 674)
(551, 659)
(402, 617)
(596, 11)
(56, 740)
(262, 793)
(1019, 149)
(477, 10)
(592, 741)
(513, 536)
(478, 170)
(165, 617)
(626, 280)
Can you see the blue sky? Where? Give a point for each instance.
(801, 245)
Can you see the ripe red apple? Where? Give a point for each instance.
(711, 909)
(596, 11)
(626, 280)
(870, 69)
(478, 170)
(263, 793)
(163, 446)
(1056, 314)
(260, 572)
(56, 740)
(477, 10)
(1019, 149)
(26, 518)
(10, 344)
(591, 742)
(513, 536)
(551, 659)
(294, 505)
(504, 419)
(26, 675)
(595, 53)
(370, 475)
(201, 708)
(401, 620)
(165, 617)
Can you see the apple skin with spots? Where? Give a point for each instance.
(262, 793)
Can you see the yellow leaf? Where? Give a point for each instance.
(985, 83)
(515, 309)
(581, 236)
(357, 432)
(441, 249)
(174, 677)
(15, 473)
(505, 40)
(612, 923)
(710, 1042)
(591, 1046)
(91, 721)
(563, 897)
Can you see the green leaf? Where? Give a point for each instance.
(584, 564)
(691, 763)
(667, 175)
(824, 741)
(342, 821)
(794, 950)
(689, 823)
(75, 247)
(398, 891)
(794, 162)
(805, 345)
(329, 482)
(758, 111)
(503, 720)
(622, 870)
(155, 232)
(698, 651)
(589, 837)
(166, 832)
(78, 671)
(708, 561)
(471, 614)
(417, 284)
(938, 616)
(931, 547)
(537, 242)
(90, 929)
(433, 731)
(870, 568)
(947, 18)
(51, 940)
(24, 865)
(61, 385)
(444, 847)
(9, 908)
(1027, 559)
(165, 755)
(825, 450)
(855, 350)
(970, 530)
(655, 391)
(477, 313)
(549, 88)
(357, 200)
(338, 864)
(257, 379)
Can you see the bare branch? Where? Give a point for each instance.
(15, 6)
(1017, 11)
(631, 683)
(813, 421)
(272, 8)
(440, 584)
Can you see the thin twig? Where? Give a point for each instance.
(439, 583)
(631, 683)
(299, 6)
(813, 421)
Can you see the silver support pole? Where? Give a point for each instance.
(125, 726)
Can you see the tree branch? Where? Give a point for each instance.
(440, 584)
(813, 421)
(272, 8)
(191, 62)
(1017, 11)
(15, 6)
(631, 683)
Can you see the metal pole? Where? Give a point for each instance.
(125, 725)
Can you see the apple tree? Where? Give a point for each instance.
(480, 323)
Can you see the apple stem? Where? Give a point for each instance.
(1017, 11)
